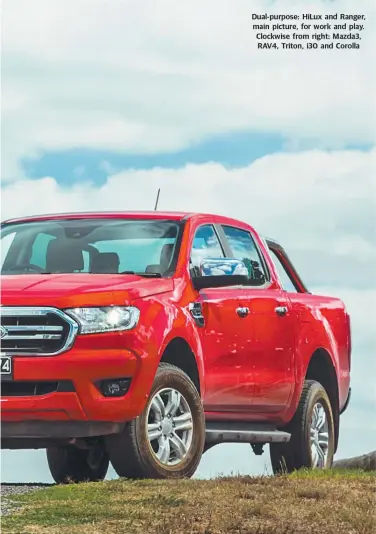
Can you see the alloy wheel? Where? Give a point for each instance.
(169, 426)
(319, 436)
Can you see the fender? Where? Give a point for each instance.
(169, 321)
(324, 339)
(316, 332)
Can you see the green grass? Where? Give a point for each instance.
(305, 502)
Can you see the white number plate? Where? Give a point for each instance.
(6, 368)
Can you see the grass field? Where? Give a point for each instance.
(306, 502)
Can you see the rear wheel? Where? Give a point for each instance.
(312, 434)
(167, 440)
(70, 464)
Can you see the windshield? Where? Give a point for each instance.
(147, 247)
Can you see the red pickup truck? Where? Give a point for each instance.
(143, 339)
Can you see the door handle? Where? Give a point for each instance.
(281, 310)
(242, 312)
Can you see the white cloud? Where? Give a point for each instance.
(314, 200)
(159, 75)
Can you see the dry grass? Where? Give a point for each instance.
(323, 503)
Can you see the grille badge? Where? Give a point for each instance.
(3, 332)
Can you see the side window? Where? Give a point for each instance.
(244, 249)
(205, 245)
(39, 251)
(282, 273)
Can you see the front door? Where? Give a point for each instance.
(226, 342)
(224, 334)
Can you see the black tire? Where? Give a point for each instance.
(132, 454)
(297, 453)
(68, 464)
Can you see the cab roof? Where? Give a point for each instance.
(152, 215)
(171, 215)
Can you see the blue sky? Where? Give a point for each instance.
(231, 150)
(237, 149)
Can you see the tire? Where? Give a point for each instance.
(170, 452)
(300, 452)
(69, 464)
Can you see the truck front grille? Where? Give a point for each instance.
(30, 331)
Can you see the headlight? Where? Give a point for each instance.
(109, 319)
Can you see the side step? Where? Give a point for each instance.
(234, 432)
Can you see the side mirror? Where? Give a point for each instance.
(221, 272)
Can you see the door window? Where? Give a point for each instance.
(284, 278)
(205, 245)
(244, 248)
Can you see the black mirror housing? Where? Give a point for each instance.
(223, 280)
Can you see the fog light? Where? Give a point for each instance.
(114, 387)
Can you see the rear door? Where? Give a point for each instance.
(270, 352)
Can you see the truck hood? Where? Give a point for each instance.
(77, 290)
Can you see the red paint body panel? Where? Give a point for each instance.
(250, 369)
(271, 350)
(75, 290)
(226, 346)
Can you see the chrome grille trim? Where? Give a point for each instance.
(36, 332)
(40, 328)
(34, 336)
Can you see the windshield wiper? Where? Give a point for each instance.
(147, 275)
(18, 270)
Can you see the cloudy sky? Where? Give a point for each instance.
(105, 101)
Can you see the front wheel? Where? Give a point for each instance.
(312, 434)
(70, 464)
(167, 439)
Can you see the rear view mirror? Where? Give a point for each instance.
(221, 272)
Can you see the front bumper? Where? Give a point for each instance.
(36, 431)
(81, 410)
